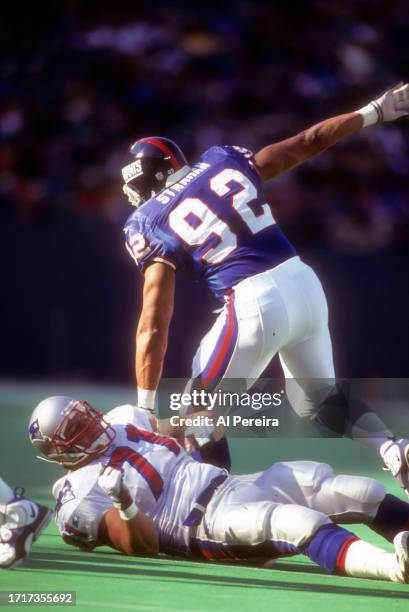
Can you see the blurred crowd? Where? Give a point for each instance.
(79, 82)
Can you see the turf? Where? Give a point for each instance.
(107, 580)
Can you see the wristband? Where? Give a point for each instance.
(146, 398)
(371, 114)
(128, 513)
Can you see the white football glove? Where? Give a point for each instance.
(391, 105)
(111, 481)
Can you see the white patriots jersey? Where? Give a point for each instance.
(162, 478)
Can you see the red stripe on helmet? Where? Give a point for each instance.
(161, 145)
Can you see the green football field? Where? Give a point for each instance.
(105, 580)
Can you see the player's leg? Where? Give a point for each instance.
(235, 348)
(307, 361)
(284, 310)
(305, 365)
(239, 344)
(21, 522)
(308, 364)
(345, 499)
(314, 394)
(265, 530)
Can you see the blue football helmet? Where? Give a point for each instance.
(156, 160)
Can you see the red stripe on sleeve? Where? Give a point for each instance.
(225, 343)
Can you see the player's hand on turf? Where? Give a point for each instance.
(111, 481)
(391, 105)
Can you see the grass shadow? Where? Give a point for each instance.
(114, 564)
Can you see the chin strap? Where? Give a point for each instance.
(64, 464)
(46, 460)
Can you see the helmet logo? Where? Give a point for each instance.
(132, 170)
(34, 430)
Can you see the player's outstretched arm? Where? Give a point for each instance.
(153, 328)
(282, 156)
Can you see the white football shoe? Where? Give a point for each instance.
(401, 544)
(395, 455)
(24, 520)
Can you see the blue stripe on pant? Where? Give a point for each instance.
(323, 548)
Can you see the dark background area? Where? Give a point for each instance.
(80, 82)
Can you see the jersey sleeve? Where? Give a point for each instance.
(146, 246)
(79, 510)
(121, 415)
(242, 157)
(239, 151)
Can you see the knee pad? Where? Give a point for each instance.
(296, 524)
(355, 494)
(240, 523)
(295, 481)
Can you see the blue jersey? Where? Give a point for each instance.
(214, 223)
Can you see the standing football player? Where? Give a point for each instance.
(212, 220)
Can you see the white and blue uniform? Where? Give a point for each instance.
(200, 510)
(162, 478)
(215, 224)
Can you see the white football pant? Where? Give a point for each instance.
(286, 505)
(284, 311)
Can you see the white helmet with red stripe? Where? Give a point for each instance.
(156, 160)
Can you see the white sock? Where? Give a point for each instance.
(6, 494)
(371, 431)
(366, 561)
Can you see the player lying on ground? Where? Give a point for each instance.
(213, 221)
(21, 522)
(141, 493)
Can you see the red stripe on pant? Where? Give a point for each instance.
(225, 345)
